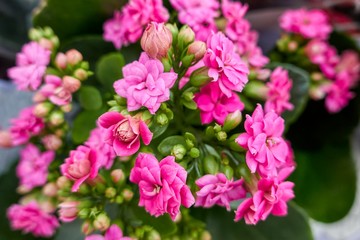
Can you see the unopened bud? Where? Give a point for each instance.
(173, 29)
(194, 152)
(205, 235)
(101, 222)
(211, 166)
(34, 34)
(47, 206)
(38, 97)
(263, 74)
(153, 235)
(42, 109)
(178, 151)
(56, 118)
(221, 136)
(71, 84)
(217, 128)
(22, 189)
(5, 139)
(50, 189)
(186, 36)
(61, 60)
(316, 76)
(81, 74)
(73, 57)
(228, 171)
(46, 43)
(198, 49)
(52, 142)
(66, 108)
(68, 211)
(187, 60)
(162, 119)
(117, 175)
(232, 120)
(231, 142)
(292, 46)
(127, 194)
(209, 132)
(63, 182)
(110, 192)
(200, 77)
(87, 228)
(156, 40)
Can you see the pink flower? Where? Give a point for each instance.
(339, 94)
(350, 63)
(25, 126)
(54, 90)
(113, 233)
(68, 211)
(156, 40)
(123, 133)
(145, 84)
(307, 23)
(266, 149)
(162, 186)
(214, 105)
(316, 50)
(225, 67)
(31, 219)
(82, 164)
(97, 141)
(218, 190)
(278, 96)
(31, 65)
(32, 169)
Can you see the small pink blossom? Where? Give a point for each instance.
(162, 185)
(54, 90)
(339, 93)
(278, 95)
(113, 233)
(145, 84)
(308, 23)
(68, 211)
(214, 105)
(217, 189)
(225, 66)
(97, 141)
(32, 169)
(123, 133)
(82, 164)
(25, 126)
(30, 218)
(30, 67)
(349, 63)
(266, 149)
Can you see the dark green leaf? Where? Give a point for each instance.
(83, 124)
(342, 41)
(90, 98)
(109, 69)
(190, 105)
(168, 143)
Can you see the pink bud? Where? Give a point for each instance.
(292, 46)
(73, 57)
(38, 97)
(68, 211)
(127, 194)
(87, 228)
(102, 222)
(71, 84)
(46, 43)
(5, 139)
(66, 108)
(50, 189)
(117, 175)
(81, 74)
(198, 48)
(156, 40)
(52, 142)
(42, 109)
(61, 60)
(63, 182)
(47, 206)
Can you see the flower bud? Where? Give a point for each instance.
(35, 34)
(52, 142)
(205, 235)
(194, 152)
(156, 40)
(316, 76)
(87, 228)
(117, 175)
(198, 49)
(5, 139)
(233, 144)
(61, 60)
(211, 166)
(22, 190)
(68, 211)
(56, 118)
(186, 36)
(232, 120)
(110, 192)
(187, 60)
(81, 74)
(228, 171)
(173, 29)
(101, 222)
(217, 128)
(292, 46)
(73, 57)
(42, 109)
(221, 136)
(38, 97)
(47, 206)
(153, 235)
(50, 189)
(178, 151)
(209, 132)
(263, 74)
(200, 77)
(71, 84)
(46, 43)
(162, 119)
(127, 195)
(63, 182)
(66, 108)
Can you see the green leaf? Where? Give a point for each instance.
(294, 226)
(342, 41)
(69, 18)
(168, 143)
(90, 98)
(83, 124)
(158, 129)
(190, 104)
(109, 69)
(299, 91)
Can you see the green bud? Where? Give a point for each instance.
(221, 136)
(84, 213)
(205, 235)
(217, 128)
(211, 166)
(232, 121)
(189, 143)
(173, 29)
(186, 36)
(56, 118)
(48, 32)
(110, 192)
(84, 189)
(228, 171)
(153, 235)
(231, 142)
(101, 222)
(162, 119)
(200, 77)
(119, 199)
(35, 34)
(188, 96)
(194, 152)
(169, 114)
(167, 64)
(209, 132)
(187, 60)
(178, 151)
(242, 170)
(84, 65)
(85, 204)
(100, 187)
(112, 103)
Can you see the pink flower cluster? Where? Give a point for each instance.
(32, 169)
(214, 105)
(25, 126)
(162, 185)
(30, 67)
(278, 95)
(113, 233)
(238, 29)
(199, 15)
(145, 84)
(127, 26)
(308, 23)
(30, 218)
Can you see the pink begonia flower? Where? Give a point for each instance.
(123, 133)
(30, 67)
(308, 23)
(145, 84)
(217, 189)
(68, 211)
(350, 63)
(32, 169)
(278, 95)
(97, 141)
(214, 105)
(113, 233)
(225, 66)
(127, 26)
(25, 126)
(162, 185)
(30, 218)
(339, 93)
(266, 149)
(82, 164)
(54, 90)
